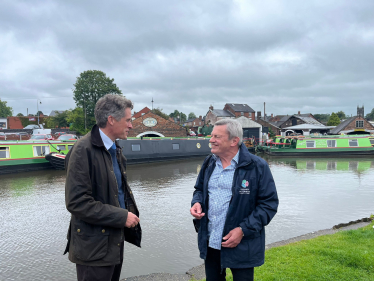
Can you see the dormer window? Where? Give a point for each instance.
(359, 124)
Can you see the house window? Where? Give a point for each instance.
(175, 145)
(359, 124)
(194, 123)
(310, 144)
(70, 147)
(331, 143)
(41, 150)
(242, 113)
(372, 142)
(135, 147)
(4, 152)
(61, 147)
(353, 142)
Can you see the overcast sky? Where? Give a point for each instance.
(308, 56)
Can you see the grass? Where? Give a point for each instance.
(346, 255)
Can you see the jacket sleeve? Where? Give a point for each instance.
(267, 203)
(78, 193)
(199, 185)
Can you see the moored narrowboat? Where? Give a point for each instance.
(341, 145)
(22, 156)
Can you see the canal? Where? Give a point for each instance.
(314, 194)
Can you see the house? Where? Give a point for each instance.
(152, 125)
(140, 113)
(251, 129)
(283, 121)
(213, 115)
(194, 123)
(267, 125)
(55, 112)
(239, 109)
(355, 125)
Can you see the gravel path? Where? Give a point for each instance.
(199, 272)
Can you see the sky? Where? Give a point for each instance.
(307, 56)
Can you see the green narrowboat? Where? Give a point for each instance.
(21, 156)
(341, 145)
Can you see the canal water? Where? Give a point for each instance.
(314, 194)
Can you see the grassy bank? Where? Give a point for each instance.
(346, 255)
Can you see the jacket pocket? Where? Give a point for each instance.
(90, 246)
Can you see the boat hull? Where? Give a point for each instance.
(23, 165)
(320, 152)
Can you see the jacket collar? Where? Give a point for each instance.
(245, 158)
(95, 137)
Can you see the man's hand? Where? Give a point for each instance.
(196, 211)
(132, 220)
(233, 238)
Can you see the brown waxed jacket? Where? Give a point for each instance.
(97, 225)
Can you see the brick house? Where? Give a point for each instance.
(266, 125)
(194, 123)
(214, 115)
(354, 125)
(239, 109)
(140, 113)
(152, 125)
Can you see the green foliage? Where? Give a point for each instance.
(341, 115)
(5, 110)
(323, 118)
(370, 115)
(90, 86)
(39, 113)
(191, 115)
(158, 111)
(345, 255)
(271, 133)
(59, 121)
(183, 117)
(206, 130)
(334, 120)
(19, 115)
(75, 119)
(174, 114)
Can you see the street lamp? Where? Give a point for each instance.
(37, 108)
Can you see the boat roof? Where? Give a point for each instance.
(309, 126)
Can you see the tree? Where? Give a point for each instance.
(174, 114)
(183, 117)
(90, 86)
(323, 118)
(370, 115)
(191, 115)
(60, 120)
(334, 120)
(341, 115)
(39, 113)
(5, 110)
(19, 114)
(158, 111)
(75, 118)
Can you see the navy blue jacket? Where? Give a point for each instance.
(251, 208)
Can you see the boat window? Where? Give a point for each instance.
(331, 143)
(4, 152)
(70, 147)
(41, 150)
(135, 147)
(175, 145)
(310, 144)
(372, 141)
(359, 124)
(61, 147)
(353, 142)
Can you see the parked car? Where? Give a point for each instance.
(68, 137)
(192, 134)
(41, 137)
(32, 127)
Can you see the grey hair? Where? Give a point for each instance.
(111, 105)
(233, 128)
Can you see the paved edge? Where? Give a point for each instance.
(198, 272)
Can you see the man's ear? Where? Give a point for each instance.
(235, 141)
(110, 120)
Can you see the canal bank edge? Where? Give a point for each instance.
(198, 272)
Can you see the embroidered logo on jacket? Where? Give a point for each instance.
(244, 189)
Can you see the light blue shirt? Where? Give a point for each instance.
(220, 193)
(106, 140)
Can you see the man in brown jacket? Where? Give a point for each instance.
(103, 209)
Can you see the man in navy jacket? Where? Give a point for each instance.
(234, 199)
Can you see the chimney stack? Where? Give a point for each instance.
(201, 117)
(298, 112)
(258, 114)
(272, 115)
(211, 107)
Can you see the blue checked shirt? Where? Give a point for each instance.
(220, 192)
